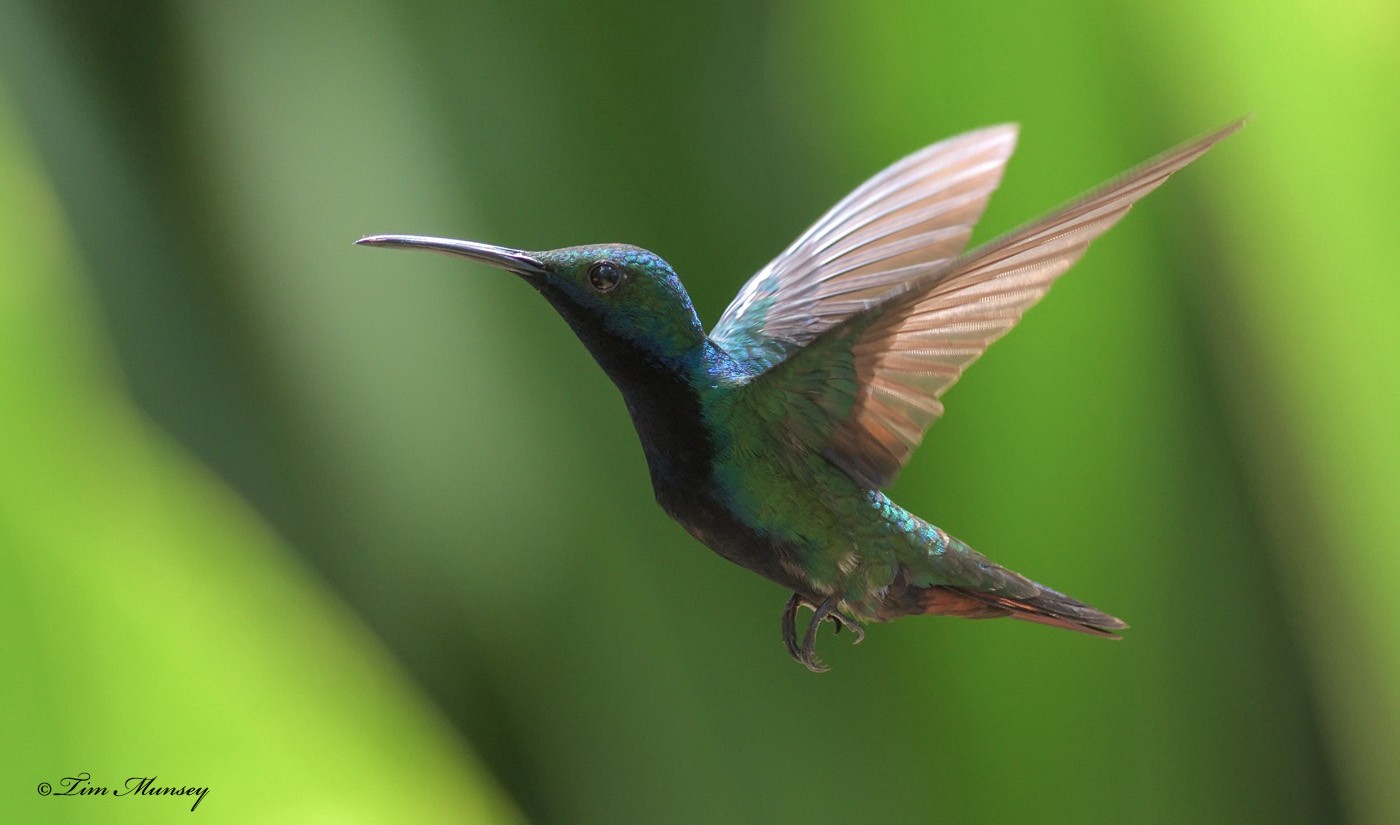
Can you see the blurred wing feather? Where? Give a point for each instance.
(911, 219)
(909, 349)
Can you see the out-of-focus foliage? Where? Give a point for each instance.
(152, 625)
(1195, 430)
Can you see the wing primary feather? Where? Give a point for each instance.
(903, 224)
(972, 300)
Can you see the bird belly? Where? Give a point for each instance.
(817, 532)
(718, 527)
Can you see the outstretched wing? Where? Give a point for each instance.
(868, 387)
(901, 225)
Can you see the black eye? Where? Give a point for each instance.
(604, 276)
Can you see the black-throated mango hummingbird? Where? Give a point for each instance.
(770, 438)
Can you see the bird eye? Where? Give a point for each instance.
(604, 276)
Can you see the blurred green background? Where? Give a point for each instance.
(349, 536)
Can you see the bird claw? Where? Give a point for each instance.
(806, 653)
(854, 628)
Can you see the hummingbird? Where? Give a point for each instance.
(771, 438)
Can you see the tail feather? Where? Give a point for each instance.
(1045, 607)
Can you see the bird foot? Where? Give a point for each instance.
(806, 653)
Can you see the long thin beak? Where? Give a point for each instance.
(511, 260)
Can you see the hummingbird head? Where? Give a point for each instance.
(623, 302)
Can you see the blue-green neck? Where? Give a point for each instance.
(664, 384)
(667, 391)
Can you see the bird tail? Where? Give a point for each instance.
(1046, 606)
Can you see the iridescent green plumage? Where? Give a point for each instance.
(770, 439)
